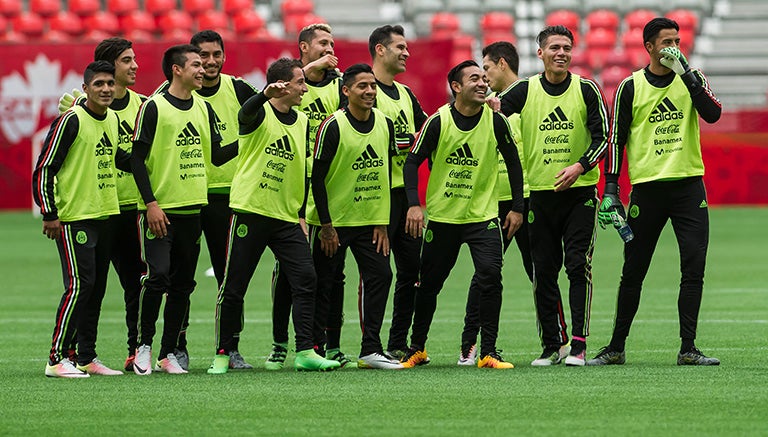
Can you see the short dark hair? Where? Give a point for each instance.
(97, 67)
(109, 49)
(548, 31)
(177, 55)
(503, 49)
(206, 36)
(353, 71)
(456, 72)
(656, 25)
(383, 35)
(282, 69)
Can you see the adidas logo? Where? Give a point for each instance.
(124, 133)
(556, 120)
(104, 146)
(316, 110)
(280, 148)
(401, 123)
(703, 204)
(219, 124)
(492, 226)
(590, 203)
(462, 156)
(367, 159)
(666, 110)
(188, 136)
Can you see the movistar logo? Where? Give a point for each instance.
(188, 136)
(556, 120)
(316, 110)
(124, 133)
(462, 156)
(104, 146)
(280, 148)
(665, 111)
(219, 124)
(401, 123)
(367, 159)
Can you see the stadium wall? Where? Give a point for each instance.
(33, 77)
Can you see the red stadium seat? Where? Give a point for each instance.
(138, 35)
(96, 36)
(247, 21)
(632, 42)
(600, 43)
(497, 22)
(263, 34)
(122, 7)
(56, 37)
(297, 7)
(684, 18)
(195, 7)
(45, 8)
(84, 7)
(603, 19)
(10, 8)
(28, 24)
(581, 71)
(579, 58)
(618, 58)
(102, 21)
(213, 19)
(12, 37)
(444, 25)
(687, 40)
(67, 22)
(158, 7)
(570, 19)
(232, 7)
(612, 76)
(638, 18)
(3, 25)
(176, 35)
(491, 37)
(141, 20)
(301, 22)
(462, 48)
(174, 19)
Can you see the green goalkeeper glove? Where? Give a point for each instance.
(67, 100)
(610, 206)
(674, 59)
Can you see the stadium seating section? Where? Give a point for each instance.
(608, 34)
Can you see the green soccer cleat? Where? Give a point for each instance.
(276, 358)
(220, 364)
(309, 360)
(337, 355)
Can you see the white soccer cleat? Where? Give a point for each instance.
(142, 363)
(377, 361)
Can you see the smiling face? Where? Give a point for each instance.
(472, 88)
(191, 74)
(555, 53)
(296, 87)
(320, 45)
(395, 54)
(361, 92)
(100, 92)
(213, 59)
(125, 68)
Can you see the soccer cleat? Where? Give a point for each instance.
(337, 355)
(552, 355)
(96, 367)
(276, 358)
(64, 369)
(142, 362)
(694, 357)
(378, 361)
(577, 355)
(182, 356)
(608, 356)
(468, 355)
(414, 357)
(170, 365)
(128, 366)
(494, 361)
(395, 354)
(237, 362)
(220, 364)
(309, 360)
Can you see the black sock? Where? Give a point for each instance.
(686, 345)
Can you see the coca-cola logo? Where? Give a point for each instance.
(556, 139)
(666, 130)
(366, 177)
(460, 174)
(276, 166)
(191, 154)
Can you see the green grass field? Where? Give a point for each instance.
(650, 395)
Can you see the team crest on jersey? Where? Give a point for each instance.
(149, 234)
(634, 211)
(242, 230)
(428, 236)
(556, 120)
(530, 217)
(81, 237)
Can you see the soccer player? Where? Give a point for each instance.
(268, 190)
(462, 141)
(226, 94)
(500, 64)
(126, 251)
(657, 112)
(389, 52)
(564, 125)
(74, 186)
(323, 97)
(351, 187)
(172, 130)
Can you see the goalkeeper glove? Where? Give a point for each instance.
(674, 59)
(67, 100)
(610, 206)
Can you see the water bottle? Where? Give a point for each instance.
(621, 225)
